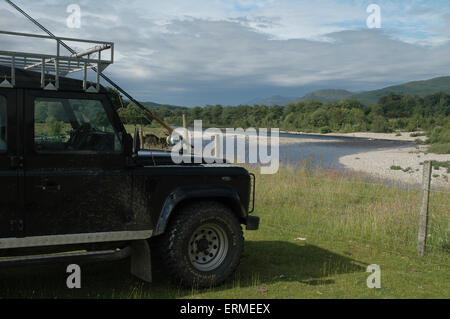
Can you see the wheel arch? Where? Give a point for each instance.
(182, 197)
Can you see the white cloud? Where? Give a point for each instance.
(197, 52)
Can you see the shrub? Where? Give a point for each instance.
(325, 130)
(421, 142)
(380, 125)
(437, 165)
(347, 128)
(417, 134)
(440, 148)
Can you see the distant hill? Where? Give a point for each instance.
(420, 88)
(170, 107)
(328, 95)
(271, 101)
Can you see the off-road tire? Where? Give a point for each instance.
(176, 244)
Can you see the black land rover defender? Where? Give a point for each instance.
(72, 179)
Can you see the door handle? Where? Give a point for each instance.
(49, 188)
(16, 161)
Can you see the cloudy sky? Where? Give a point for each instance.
(197, 52)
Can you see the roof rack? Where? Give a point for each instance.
(57, 64)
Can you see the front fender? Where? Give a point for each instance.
(211, 192)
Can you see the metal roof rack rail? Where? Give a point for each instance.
(57, 64)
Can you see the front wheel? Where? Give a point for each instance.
(202, 245)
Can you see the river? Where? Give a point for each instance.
(323, 151)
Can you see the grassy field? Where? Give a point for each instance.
(319, 232)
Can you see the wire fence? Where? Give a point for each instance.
(407, 220)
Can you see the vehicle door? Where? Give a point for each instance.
(10, 223)
(77, 183)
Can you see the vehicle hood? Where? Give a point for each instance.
(158, 157)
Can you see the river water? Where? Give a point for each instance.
(328, 149)
(322, 151)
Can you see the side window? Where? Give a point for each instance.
(3, 117)
(70, 125)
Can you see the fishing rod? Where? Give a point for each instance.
(107, 79)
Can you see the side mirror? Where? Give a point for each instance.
(136, 141)
(174, 139)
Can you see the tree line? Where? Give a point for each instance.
(394, 112)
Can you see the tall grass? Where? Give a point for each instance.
(339, 207)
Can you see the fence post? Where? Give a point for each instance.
(423, 218)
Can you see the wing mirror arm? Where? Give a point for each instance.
(131, 145)
(136, 142)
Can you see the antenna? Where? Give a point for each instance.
(99, 72)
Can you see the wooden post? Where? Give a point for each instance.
(423, 218)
